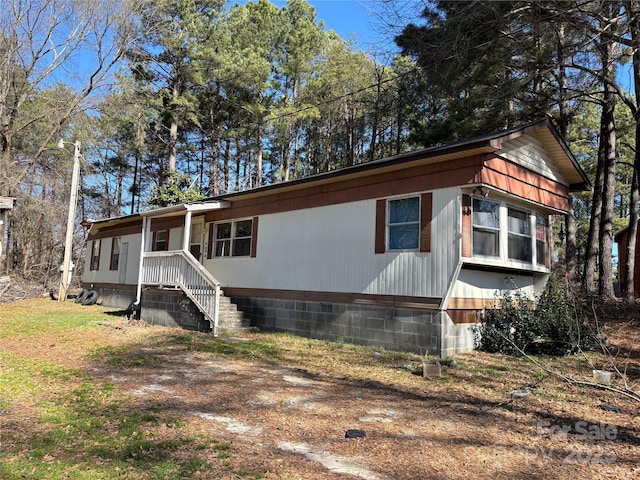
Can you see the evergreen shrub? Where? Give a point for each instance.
(554, 325)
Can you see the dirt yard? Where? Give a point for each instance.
(287, 412)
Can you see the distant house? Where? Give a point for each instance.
(401, 253)
(622, 239)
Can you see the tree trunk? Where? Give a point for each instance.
(259, 167)
(600, 224)
(591, 253)
(173, 129)
(608, 138)
(214, 164)
(226, 170)
(633, 12)
(628, 289)
(571, 249)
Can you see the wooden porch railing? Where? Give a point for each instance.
(179, 268)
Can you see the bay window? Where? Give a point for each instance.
(504, 232)
(541, 240)
(519, 235)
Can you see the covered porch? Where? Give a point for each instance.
(180, 268)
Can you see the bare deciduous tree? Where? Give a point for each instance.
(44, 44)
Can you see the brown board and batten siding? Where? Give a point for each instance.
(622, 239)
(517, 180)
(417, 179)
(166, 223)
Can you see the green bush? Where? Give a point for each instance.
(555, 326)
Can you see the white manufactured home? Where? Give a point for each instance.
(401, 253)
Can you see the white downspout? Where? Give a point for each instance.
(143, 241)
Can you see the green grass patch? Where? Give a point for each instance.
(58, 422)
(79, 428)
(124, 356)
(44, 317)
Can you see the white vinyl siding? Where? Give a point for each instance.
(490, 286)
(105, 274)
(529, 152)
(331, 249)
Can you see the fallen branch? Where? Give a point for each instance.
(626, 391)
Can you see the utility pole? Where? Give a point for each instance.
(67, 267)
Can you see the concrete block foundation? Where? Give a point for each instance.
(408, 330)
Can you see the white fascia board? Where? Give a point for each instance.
(205, 207)
(185, 207)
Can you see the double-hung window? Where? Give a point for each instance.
(519, 235)
(95, 255)
(233, 238)
(404, 224)
(160, 241)
(486, 228)
(115, 253)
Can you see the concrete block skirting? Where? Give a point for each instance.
(172, 308)
(167, 307)
(400, 329)
(427, 332)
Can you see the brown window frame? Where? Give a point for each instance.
(114, 261)
(425, 218)
(94, 262)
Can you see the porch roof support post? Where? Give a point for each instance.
(186, 238)
(143, 241)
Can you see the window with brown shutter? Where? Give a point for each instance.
(404, 224)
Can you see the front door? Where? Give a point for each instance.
(197, 238)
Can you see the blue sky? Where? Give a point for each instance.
(354, 20)
(357, 20)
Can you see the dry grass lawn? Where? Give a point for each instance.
(137, 401)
